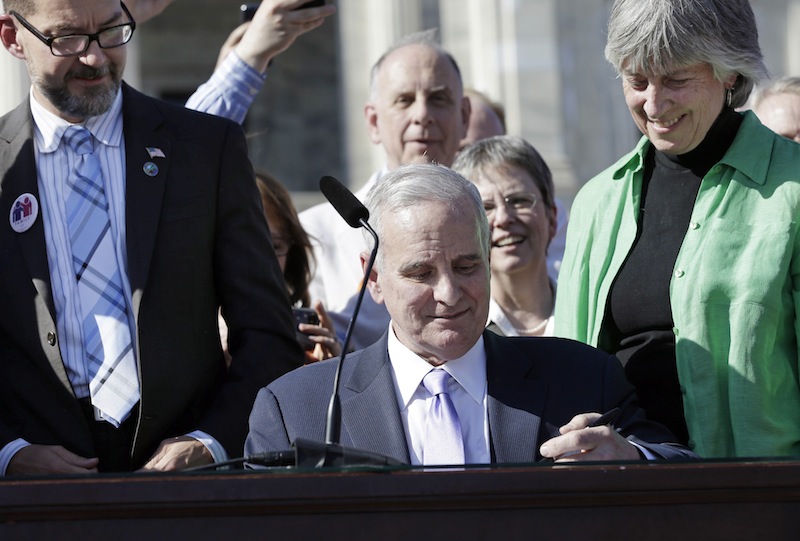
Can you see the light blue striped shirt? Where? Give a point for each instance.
(54, 162)
(230, 91)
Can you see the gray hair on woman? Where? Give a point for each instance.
(410, 185)
(504, 150)
(659, 36)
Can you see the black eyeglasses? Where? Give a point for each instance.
(75, 44)
(518, 202)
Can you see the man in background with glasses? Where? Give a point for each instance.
(130, 222)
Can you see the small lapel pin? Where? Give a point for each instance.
(155, 152)
(150, 169)
(23, 212)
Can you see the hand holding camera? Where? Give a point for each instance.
(274, 26)
(315, 332)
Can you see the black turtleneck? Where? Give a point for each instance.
(638, 322)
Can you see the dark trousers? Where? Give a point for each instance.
(112, 445)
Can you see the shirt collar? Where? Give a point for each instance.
(409, 369)
(632, 161)
(752, 141)
(499, 318)
(49, 128)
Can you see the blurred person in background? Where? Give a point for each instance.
(517, 191)
(295, 258)
(777, 106)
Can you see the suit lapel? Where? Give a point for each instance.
(370, 416)
(515, 401)
(144, 193)
(20, 176)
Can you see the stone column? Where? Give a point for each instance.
(793, 38)
(509, 49)
(16, 83)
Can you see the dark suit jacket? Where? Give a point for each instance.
(196, 239)
(535, 385)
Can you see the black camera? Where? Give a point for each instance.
(249, 10)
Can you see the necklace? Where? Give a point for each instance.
(533, 330)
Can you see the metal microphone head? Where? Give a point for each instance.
(343, 200)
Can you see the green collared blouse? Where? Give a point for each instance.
(734, 289)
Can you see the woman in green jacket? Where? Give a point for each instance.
(683, 258)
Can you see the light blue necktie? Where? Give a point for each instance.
(108, 350)
(444, 443)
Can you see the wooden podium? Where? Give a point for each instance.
(686, 501)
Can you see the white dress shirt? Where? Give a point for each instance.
(467, 391)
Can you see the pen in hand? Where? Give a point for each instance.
(608, 418)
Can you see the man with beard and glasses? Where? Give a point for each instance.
(130, 223)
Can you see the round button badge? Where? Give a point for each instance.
(23, 212)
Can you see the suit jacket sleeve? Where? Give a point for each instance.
(253, 299)
(267, 429)
(632, 422)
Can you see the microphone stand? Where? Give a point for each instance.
(333, 426)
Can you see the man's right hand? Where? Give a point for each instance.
(49, 459)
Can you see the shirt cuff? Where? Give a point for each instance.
(218, 452)
(8, 452)
(214, 447)
(244, 77)
(230, 91)
(646, 452)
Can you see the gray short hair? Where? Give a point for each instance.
(784, 85)
(426, 38)
(658, 36)
(507, 150)
(413, 184)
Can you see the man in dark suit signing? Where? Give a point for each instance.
(498, 399)
(130, 223)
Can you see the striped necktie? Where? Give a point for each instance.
(108, 350)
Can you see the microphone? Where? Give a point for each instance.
(356, 215)
(345, 203)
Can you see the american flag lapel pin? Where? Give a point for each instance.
(155, 152)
